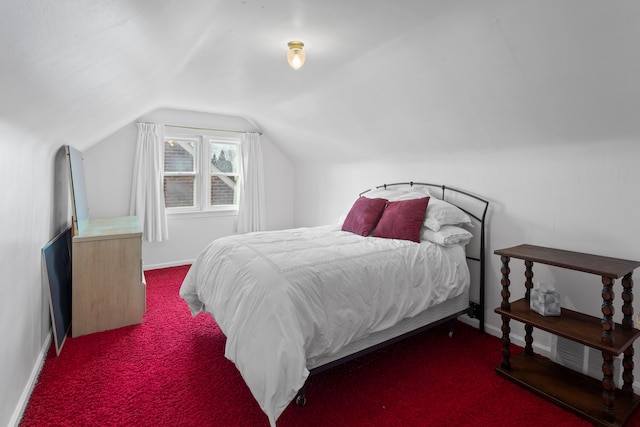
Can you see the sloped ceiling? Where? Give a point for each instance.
(413, 76)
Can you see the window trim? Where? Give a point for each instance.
(203, 174)
(194, 173)
(206, 194)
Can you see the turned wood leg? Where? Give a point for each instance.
(528, 339)
(505, 282)
(608, 386)
(506, 344)
(627, 324)
(528, 283)
(608, 326)
(505, 305)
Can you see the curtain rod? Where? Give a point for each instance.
(219, 130)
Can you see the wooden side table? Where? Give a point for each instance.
(583, 395)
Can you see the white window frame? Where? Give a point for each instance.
(203, 173)
(195, 173)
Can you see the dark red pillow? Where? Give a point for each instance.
(402, 220)
(364, 215)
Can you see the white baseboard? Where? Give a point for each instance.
(518, 340)
(33, 378)
(497, 332)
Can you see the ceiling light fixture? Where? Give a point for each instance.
(296, 55)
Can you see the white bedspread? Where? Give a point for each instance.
(280, 297)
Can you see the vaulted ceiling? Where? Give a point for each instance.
(410, 76)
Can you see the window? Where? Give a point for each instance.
(201, 173)
(180, 159)
(224, 173)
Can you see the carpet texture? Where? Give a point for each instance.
(171, 371)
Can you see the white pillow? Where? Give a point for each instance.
(396, 194)
(447, 236)
(381, 193)
(441, 213)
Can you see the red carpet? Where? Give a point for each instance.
(171, 371)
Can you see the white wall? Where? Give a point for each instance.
(34, 209)
(582, 198)
(109, 171)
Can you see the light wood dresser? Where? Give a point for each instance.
(107, 279)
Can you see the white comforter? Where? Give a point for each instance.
(282, 297)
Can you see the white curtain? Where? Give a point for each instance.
(147, 196)
(251, 206)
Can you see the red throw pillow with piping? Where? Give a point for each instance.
(402, 220)
(364, 215)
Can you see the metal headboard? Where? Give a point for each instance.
(476, 310)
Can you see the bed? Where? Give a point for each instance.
(296, 302)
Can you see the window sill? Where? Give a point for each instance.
(178, 215)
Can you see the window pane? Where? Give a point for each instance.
(224, 158)
(223, 190)
(179, 156)
(179, 191)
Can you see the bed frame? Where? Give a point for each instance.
(476, 207)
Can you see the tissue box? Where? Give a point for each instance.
(545, 302)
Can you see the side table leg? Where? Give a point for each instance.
(627, 324)
(528, 283)
(608, 386)
(528, 339)
(505, 282)
(505, 305)
(608, 326)
(506, 344)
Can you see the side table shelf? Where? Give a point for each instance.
(597, 401)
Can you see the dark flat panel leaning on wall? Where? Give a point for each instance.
(56, 259)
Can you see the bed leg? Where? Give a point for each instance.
(301, 397)
(452, 328)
